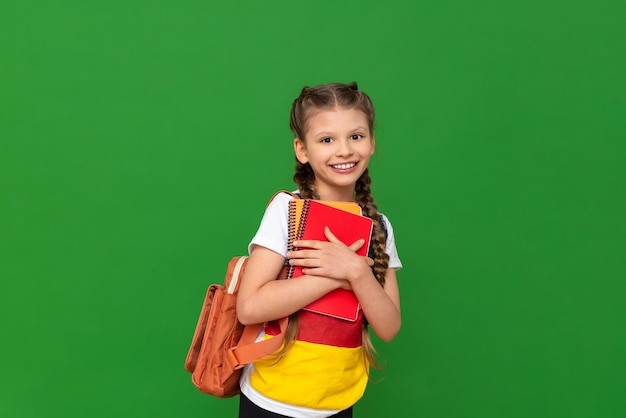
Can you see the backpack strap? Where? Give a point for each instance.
(248, 350)
(383, 225)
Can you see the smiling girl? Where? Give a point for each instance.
(323, 369)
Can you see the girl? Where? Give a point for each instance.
(322, 369)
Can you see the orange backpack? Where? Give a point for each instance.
(221, 346)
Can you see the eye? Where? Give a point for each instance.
(356, 136)
(326, 140)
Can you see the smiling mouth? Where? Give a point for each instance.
(343, 166)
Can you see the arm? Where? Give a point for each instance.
(263, 298)
(381, 306)
(335, 260)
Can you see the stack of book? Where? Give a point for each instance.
(307, 220)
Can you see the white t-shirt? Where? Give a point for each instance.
(273, 233)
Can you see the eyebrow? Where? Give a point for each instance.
(327, 133)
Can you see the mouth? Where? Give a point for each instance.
(345, 166)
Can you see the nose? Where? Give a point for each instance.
(344, 148)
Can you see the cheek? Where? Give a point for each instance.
(320, 153)
(367, 149)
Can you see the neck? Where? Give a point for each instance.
(345, 194)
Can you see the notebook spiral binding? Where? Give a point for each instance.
(305, 214)
(296, 230)
(293, 227)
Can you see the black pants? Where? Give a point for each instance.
(248, 409)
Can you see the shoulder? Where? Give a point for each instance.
(274, 228)
(278, 206)
(280, 198)
(394, 259)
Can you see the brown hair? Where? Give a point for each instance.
(326, 97)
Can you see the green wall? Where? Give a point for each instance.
(141, 140)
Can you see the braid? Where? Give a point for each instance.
(364, 198)
(366, 201)
(305, 178)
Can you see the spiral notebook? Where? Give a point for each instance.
(348, 227)
(296, 207)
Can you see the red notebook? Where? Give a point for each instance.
(348, 228)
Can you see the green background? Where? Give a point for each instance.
(141, 140)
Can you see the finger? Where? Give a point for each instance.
(314, 244)
(356, 245)
(330, 236)
(303, 254)
(370, 262)
(313, 271)
(304, 262)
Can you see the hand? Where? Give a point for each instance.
(330, 258)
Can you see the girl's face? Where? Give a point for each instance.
(338, 146)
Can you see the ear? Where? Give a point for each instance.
(300, 148)
(373, 145)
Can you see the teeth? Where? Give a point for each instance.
(344, 166)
